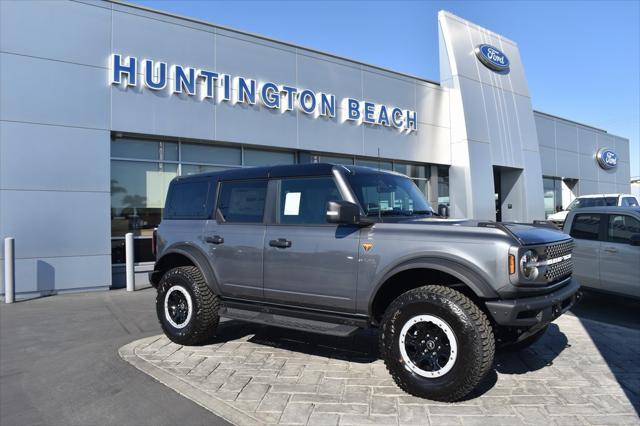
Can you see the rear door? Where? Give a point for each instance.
(619, 260)
(235, 237)
(307, 261)
(586, 230)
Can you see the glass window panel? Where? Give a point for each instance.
(412, 170)
(304, 201)
(138, 192)
(256, 157)
(135, 148)
(443, 186)
(422, 184)
(374, 164)
(211, 154)
(170, 151)
(192, 169)
(141, 250)
(586, 226)
(243, 201)
(621, 228)
(549, 196)
(336, 159)
(189, 199)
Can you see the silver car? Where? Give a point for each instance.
(607, 251)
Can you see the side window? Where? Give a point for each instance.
(586, 226)
(242, 201)
(188, 200)
(621, 228)
(304, 201)
(629, 202)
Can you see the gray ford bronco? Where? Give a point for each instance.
(329, 249)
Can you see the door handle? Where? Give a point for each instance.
(610, 249)
(216, 239)
(280, 243)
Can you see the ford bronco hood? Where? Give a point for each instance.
(528, 234)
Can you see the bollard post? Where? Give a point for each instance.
(9, 270)
(128, 246)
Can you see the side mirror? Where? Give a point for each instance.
(343, 213)
(635, 240)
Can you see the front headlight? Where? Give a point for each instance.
(528, 264)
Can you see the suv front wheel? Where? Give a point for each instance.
(436, 343)
(186, 306)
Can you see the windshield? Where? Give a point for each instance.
(388, 195)
(579, 203)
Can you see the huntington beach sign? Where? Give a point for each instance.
(218, 87)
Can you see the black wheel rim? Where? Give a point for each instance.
(427, 346)
(177, 307)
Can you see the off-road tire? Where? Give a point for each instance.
(205, 305)
(526, 342)
(472, 331)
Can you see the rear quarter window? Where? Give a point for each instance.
(242, 201)
(189, 199)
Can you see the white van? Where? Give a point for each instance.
(595, 200)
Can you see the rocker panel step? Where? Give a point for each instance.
(301, 324)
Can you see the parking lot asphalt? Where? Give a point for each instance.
(610, 309)
(59, 364)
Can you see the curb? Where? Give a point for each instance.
(222, 408)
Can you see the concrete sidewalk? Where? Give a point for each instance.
(59, 364)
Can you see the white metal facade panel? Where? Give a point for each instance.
(487, 109)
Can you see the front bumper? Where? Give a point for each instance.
(535, 311)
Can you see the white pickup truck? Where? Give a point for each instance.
(595, 200)
(606, 256)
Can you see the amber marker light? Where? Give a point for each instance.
(512, 264)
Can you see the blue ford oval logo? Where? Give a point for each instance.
(493, 58)
(607, 158)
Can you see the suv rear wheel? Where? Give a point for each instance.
(186, 306)
(436, 343)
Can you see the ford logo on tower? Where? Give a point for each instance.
(607, 158)
(493, 58)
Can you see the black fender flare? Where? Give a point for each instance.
(458, 268)
(199, 259)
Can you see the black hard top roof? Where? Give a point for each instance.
(290, 170)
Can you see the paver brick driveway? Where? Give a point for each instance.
(581, 372)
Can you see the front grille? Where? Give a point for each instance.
(560, 249)
(559, 270)
(562, 269)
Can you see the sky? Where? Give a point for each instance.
(581, 58)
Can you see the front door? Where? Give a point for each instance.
(307, 261)
(619, 260)
(585, 230)
(235, 238)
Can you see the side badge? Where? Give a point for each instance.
(367, 246)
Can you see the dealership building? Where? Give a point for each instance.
(103, 103)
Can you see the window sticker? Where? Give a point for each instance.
(292, 204)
